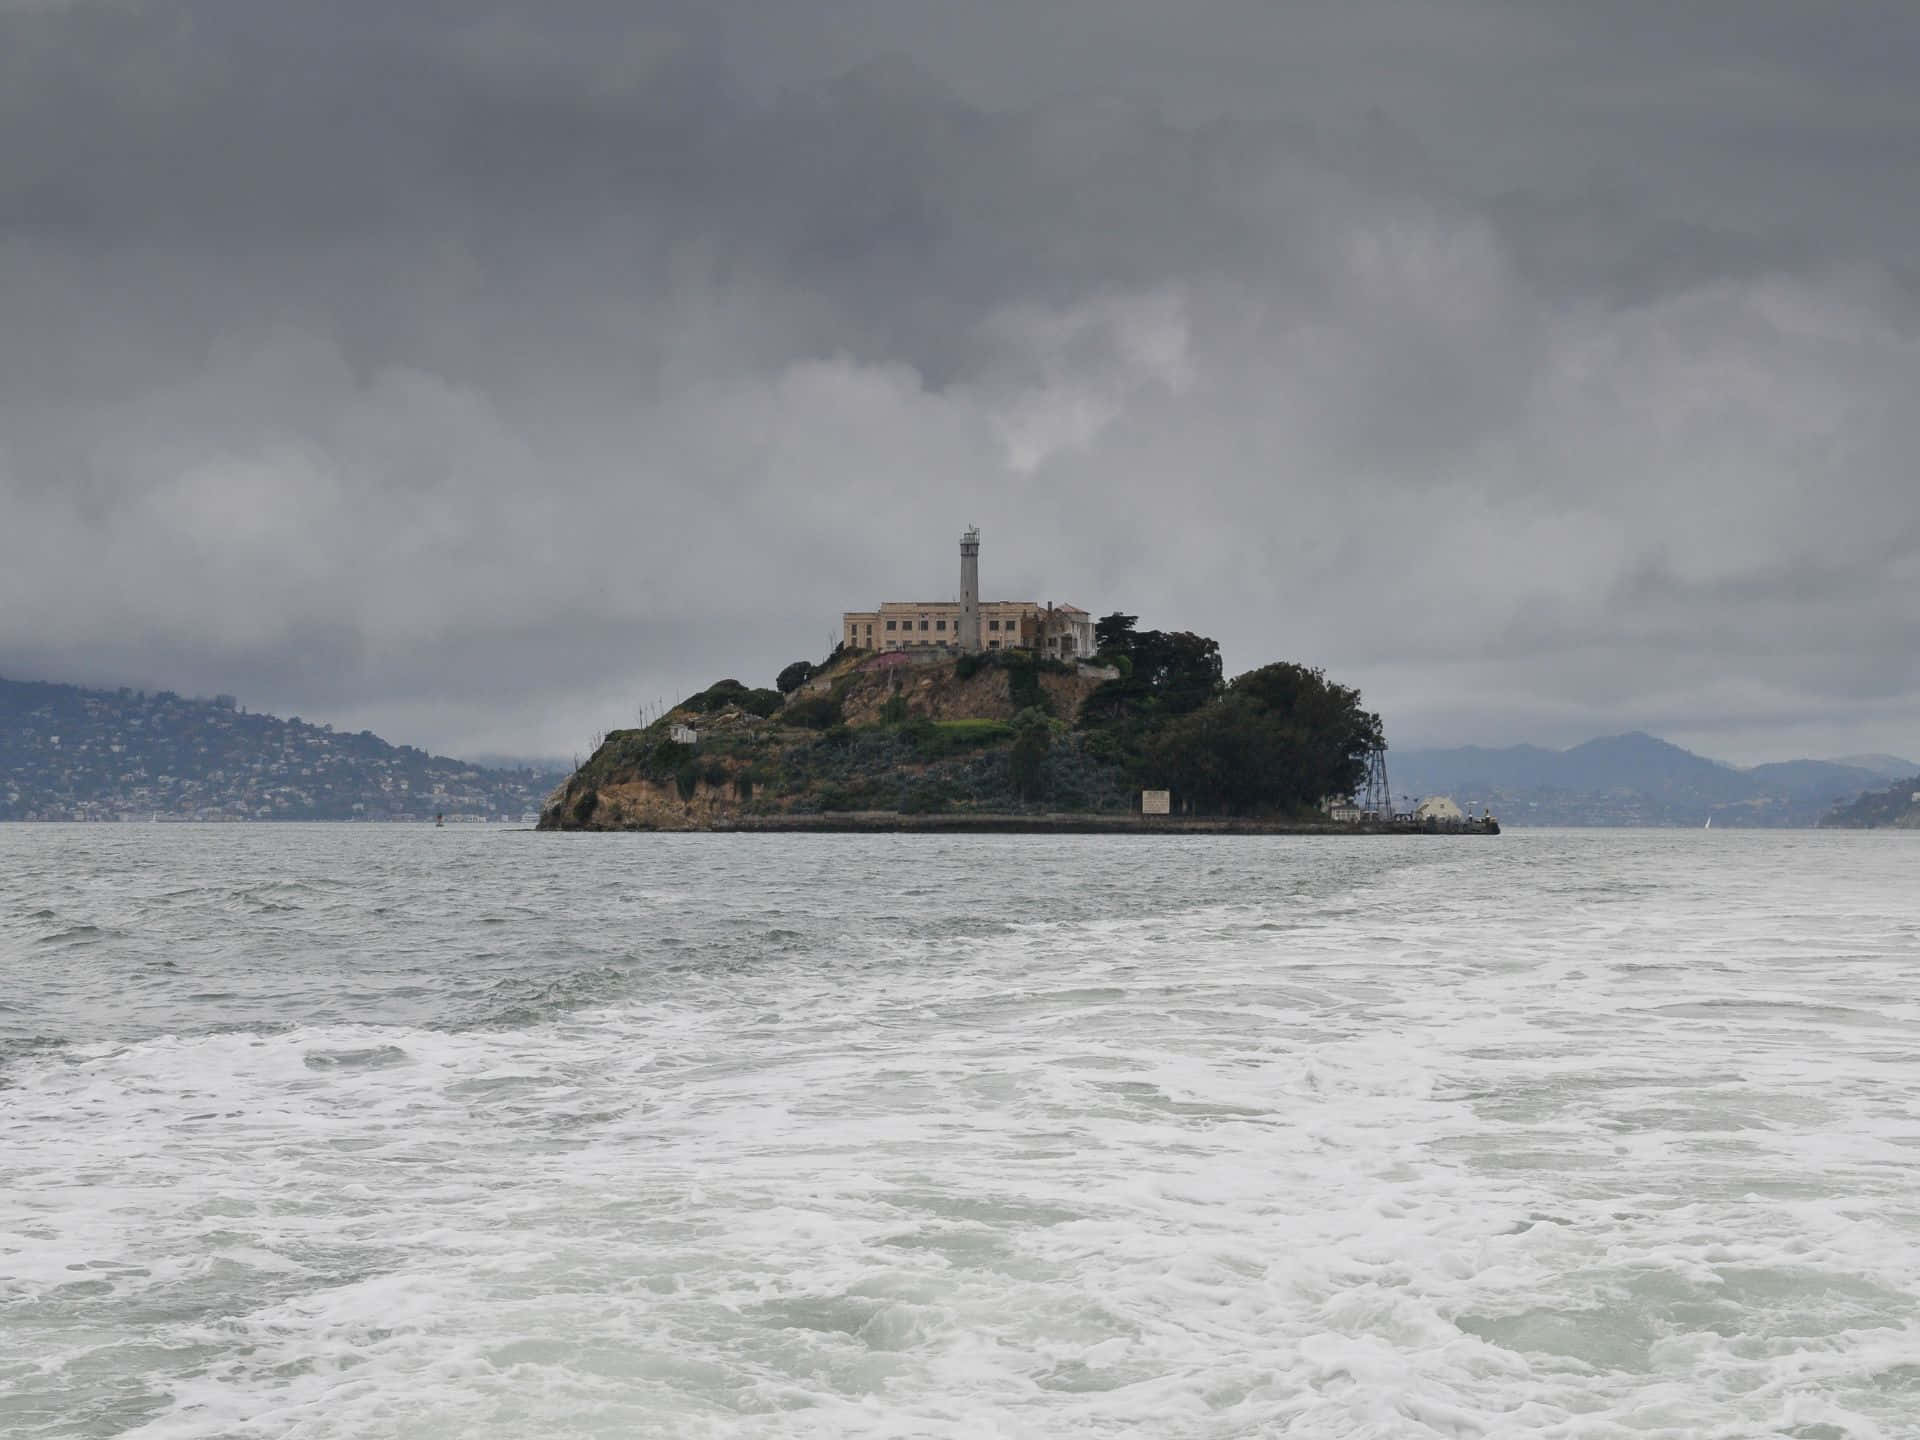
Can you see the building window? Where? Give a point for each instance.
(993, 644)
(993, 624)
(939, 624)
(890, 624)
(923, 624)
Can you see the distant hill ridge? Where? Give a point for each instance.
(71, 753)
(1887, 767)
(1635, 779)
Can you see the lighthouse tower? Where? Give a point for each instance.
(970, 590)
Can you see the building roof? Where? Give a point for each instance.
(951, 605)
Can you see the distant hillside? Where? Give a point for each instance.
(1896, 807)
(1887, 767)
(1634, 779)
(68, 753)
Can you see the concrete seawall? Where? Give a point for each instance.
(887, 822)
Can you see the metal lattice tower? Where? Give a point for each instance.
(1376, 797)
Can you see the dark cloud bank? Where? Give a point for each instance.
(478, 373)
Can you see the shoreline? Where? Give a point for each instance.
(860, 822)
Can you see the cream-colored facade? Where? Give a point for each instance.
(1004, 625)
(1061, 632)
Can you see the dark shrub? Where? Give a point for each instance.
(815, 712)
(1032, 738)
(936, 739)
(721, 692)
(926, 798)
(1023, 686)
(795, 675)
(665, 758)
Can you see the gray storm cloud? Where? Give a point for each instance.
(480, 374)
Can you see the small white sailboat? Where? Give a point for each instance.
(1709, 824)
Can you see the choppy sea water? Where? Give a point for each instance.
(340, 1131)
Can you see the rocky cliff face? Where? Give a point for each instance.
(900, 735)
(938, 692)
(636, 804)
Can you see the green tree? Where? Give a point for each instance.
(1027, 757)
(1181, 669)
(1172, 673)
(1114, 633)
(795, 675)
(1278, 740)
(1023, 683)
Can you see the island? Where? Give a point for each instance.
(1006, 740)
(1001, 716)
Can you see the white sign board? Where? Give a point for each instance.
(1156, 802)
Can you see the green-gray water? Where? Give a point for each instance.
(357, 1131)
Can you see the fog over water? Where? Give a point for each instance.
(318, 1132)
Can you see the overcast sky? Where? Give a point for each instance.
(477, 373)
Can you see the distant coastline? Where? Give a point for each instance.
(73, 754)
